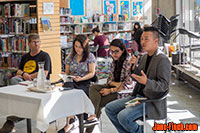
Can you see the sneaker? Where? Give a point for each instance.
(89, 123)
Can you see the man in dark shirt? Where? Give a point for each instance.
(28, 70)
(152, 77)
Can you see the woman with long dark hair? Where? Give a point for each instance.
(119, 79)
(81, 65)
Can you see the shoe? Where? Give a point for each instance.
(70, 130)
(8, 127)
(92, 122)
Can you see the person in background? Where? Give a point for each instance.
(28, 70)
(136, 35)
(81, 65)
(153, 78)
(100, 40)
(119, 79)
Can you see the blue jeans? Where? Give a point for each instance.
(124, 118)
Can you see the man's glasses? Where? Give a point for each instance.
(35, 42)
(114, 52)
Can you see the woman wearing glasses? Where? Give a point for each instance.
(119, 79)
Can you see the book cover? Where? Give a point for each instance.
(46, 24)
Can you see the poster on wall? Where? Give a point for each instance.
(124, 7)
(109, 7)
(48, 8)
(138, 9)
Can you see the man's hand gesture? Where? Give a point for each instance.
(141, 79)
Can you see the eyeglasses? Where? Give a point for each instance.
(35, 42)
(114, 52)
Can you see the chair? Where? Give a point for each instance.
(94, 49)
(164, 96)
(143, 118)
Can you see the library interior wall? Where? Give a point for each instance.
(167, 7)
(50, 40)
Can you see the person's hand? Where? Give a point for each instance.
(134, 59)
(62, 72)
(141, 79)
(105, 91)
(116, 84)
(77, 78)
(27, 76)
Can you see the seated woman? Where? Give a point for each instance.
(100, 40)
(80, 64)
(119, 79)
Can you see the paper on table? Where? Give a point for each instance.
(43, 90)
(26, 83)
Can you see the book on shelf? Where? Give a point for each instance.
(2, 11)
(76, 19)
(46, 24)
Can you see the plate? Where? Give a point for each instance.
(41, 91)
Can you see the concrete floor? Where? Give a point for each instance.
(183, 106)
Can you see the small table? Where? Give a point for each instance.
(44, 108)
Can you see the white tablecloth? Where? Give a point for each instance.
(43, 107)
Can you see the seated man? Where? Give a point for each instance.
(28, 70)
(152, 81)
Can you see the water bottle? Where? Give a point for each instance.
(41, 77)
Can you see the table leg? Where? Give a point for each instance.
(80, 117)
(28, 122)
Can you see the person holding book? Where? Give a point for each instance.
(101, 40)
(28, 70)
(153, 78)
(80, 64)
(119, 79)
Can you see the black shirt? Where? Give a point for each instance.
(140, 91)
(29, 64)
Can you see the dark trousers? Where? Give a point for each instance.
(82, 85)
(98, 100)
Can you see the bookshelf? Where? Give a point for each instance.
(70, 26)
(18, 18)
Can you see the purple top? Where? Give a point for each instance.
(101, 40)
(79, 69)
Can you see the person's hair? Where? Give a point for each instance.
(134, 28)
(96, 30)
(152, 29)
(33, 36)
(119, 64)
(83, 40)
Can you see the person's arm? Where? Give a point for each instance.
(67, 69)
(161, 83)
(90, 73)
(34, 75)
(20, 73)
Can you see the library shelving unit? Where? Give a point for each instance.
(17, 19)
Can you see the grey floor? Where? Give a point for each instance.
(183, 107)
